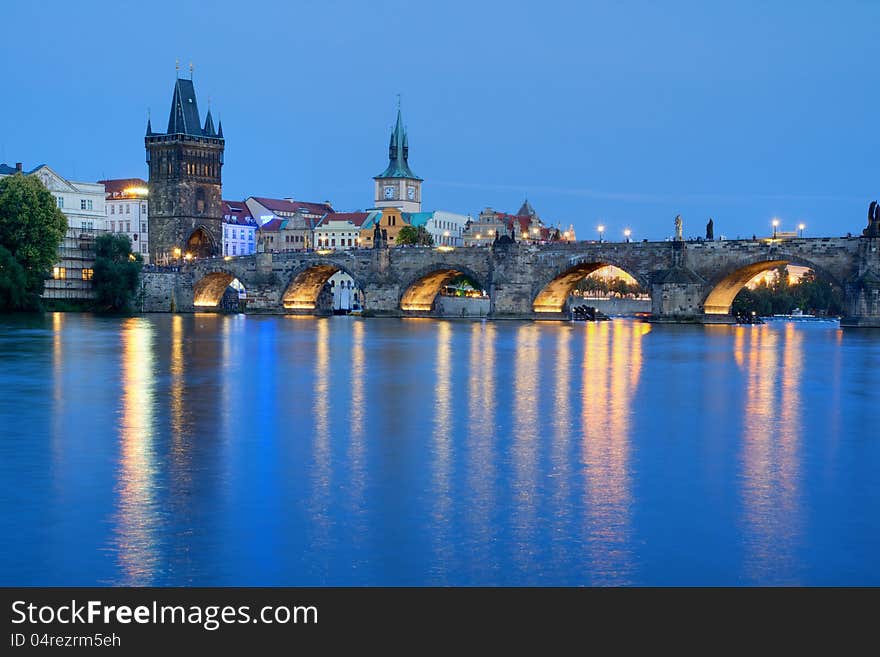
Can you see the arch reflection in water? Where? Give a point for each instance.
(611, 368)
(770, 457)
(137, 512)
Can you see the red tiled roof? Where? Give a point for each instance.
(357, 218)
(236, 212)
(284, 205)
(273, 224)
(116, 188)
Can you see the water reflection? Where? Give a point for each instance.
(611, 368)
(356, 444)
(322, 472)
(561, 443)
(137, 515)
(481, 469)
(442, 452)
(526, 436)
(770, 458)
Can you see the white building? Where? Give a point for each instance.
(239, 229)
(346, 297)
(445, 227)
(127, 211)
(81, 202)
(340, 230)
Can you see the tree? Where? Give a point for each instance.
(116, 273)
(12, 283)
(416, 236)
(31, 229)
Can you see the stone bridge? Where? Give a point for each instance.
(689, 281)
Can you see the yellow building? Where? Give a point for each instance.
(390, 221)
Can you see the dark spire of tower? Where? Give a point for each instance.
(209, 125)
(220, 129)
(184, 116)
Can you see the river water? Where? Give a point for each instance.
(232, 450)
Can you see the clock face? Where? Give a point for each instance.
(389, 191)
(411, 193)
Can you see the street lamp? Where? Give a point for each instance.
(626, 233)
(775, 223)
(601, 230)
(801, 228)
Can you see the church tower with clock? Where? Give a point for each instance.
(398, 186)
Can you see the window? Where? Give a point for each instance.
(87, 274)
(112, 226)
(233, 250)
(59, 273)
(127, 226)
(112, 209)
(143, 247)
(82, 204)
(226, 232)
(143, 208)
(59, 201)
(251, 236)
(127, 209)
(143, 226)
(242, 233)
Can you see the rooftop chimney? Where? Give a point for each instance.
(18, 166)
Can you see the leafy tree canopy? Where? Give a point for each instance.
(116, 273)
(13, 295)
(416, 236)
(31, 229)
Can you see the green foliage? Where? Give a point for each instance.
(415, 236)
(12, 283)
(811, 295)
(31, 229)
(117, 270)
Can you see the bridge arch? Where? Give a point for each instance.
(304, 287)
(553, 291)
(209, 290)
(724, 287)
(422, 289)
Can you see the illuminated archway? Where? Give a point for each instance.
(724, 289)
(552, 297)
(208, 292)
(420, 294)
(200, 244)
(304, 290)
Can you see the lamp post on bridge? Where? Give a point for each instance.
(626, 233)
(801, 228)
(775, 223)
(601, 229)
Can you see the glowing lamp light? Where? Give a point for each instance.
(775, 223)
(188, 256)
(626, 233)
(324, 251)
(446, 249)
(136, 191)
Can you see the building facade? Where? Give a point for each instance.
(397, 186)
(185, 181)
(446, 228)
(340, 230)
(524, 226)
(239, 229)
(83, 205)
(127, 211)
(286, 224)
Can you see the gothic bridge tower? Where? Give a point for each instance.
(185, 165)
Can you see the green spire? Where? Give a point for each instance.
(398, 153)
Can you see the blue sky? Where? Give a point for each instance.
(621, 113)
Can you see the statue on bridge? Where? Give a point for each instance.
(873, 229)
(710, 230)
(678, 228)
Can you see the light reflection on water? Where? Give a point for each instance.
(270, 450)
